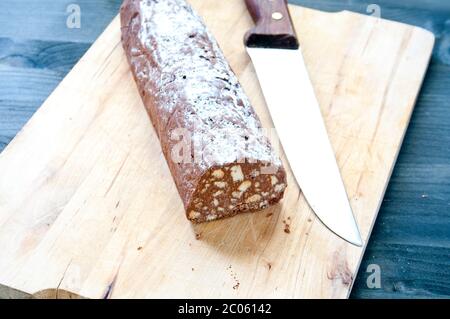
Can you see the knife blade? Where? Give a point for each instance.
(277, 58)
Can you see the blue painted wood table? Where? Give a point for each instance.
(410, 242)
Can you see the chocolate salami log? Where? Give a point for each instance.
(219, 158)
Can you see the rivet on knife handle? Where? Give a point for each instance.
(274, 28)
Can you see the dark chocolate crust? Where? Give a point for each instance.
(227, 164)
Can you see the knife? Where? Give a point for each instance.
(277, 58)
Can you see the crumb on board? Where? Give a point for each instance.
(287, 229)
(287, 226)
(139, 248)
(234, 277)
(269, 214)
(198, 236)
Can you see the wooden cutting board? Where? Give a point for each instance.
(88, 206)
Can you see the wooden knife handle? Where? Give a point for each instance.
(274, 28)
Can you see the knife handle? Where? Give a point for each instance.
(274, 28)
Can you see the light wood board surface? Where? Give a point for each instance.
(88, 206)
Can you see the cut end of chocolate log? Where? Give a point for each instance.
(224, 191)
